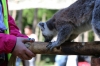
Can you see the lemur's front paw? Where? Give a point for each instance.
(52, 45)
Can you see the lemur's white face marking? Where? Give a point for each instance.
(47, 33)
(45, 30)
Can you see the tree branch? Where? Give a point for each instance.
(68, 48)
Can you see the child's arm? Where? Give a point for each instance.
(7, 43)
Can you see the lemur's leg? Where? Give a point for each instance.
(72, 37)
(63, 35)
(96, 18)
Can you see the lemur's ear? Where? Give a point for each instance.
(41, 25)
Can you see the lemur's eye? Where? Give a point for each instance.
(41, 24)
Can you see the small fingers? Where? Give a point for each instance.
(25, 57)
(29, 53)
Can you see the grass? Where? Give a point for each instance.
(43, 63)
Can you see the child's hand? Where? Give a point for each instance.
(20, 49)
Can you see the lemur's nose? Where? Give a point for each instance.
(47, 41)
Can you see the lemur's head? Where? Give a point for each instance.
(46, 31)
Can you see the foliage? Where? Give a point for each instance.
(28, 15)
(49, 13)
(46, 60)
(91, 36)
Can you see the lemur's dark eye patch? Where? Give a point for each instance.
(42, 25)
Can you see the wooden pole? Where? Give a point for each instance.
(68, 48)
(35, 19)
(95, 61)
(20, 19)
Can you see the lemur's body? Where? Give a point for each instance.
(68, 23)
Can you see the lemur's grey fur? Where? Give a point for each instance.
(69, 22)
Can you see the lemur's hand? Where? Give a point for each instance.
(52, 45)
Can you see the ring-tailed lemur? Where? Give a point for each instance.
(69, 22)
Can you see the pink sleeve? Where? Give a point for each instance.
(7, 42)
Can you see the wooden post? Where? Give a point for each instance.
(35, 19)
(14, 13)
(95, 61)
(20, 19)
